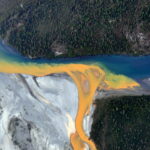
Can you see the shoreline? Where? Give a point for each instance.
(6, 44)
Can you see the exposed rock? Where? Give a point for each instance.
(139, 40)
(58, 48)
(20, 134)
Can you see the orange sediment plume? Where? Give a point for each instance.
(87, 82)
(87, 79)
(76, 142)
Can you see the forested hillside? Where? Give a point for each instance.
(122, 123)
(68, 28)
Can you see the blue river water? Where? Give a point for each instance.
(134, 67)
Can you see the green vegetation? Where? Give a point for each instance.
(122, 123)
(82, 27)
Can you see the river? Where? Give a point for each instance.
(131, 66)
(88, 73)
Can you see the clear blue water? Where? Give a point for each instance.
(134, 67)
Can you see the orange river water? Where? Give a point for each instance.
(87, 79)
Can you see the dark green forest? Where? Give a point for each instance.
(39, 28)
(122, 123)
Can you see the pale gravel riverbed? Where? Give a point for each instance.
(38, 113)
